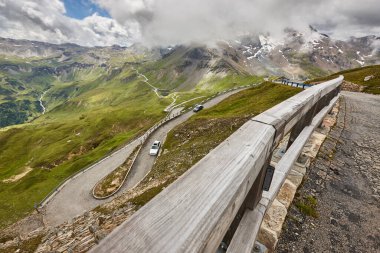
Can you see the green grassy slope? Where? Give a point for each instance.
(69, 137)
(22, 84)
(357, 76)
(95, 102)
(88, 116)
(24, 80)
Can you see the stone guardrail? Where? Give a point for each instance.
(141, 138)
(220, 200)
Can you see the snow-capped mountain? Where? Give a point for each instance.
(298, 55)
(303, 55)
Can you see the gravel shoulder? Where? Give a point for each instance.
(75, 197)
(345, 181)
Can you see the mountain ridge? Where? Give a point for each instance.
(30, 68)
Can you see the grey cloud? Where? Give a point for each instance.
(45, 20)
(168, 22)
(172, 21)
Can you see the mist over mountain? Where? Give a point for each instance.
(257, 54)
(165, 22)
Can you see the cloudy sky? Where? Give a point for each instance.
(168, 22)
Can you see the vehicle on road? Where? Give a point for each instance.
(197, 108)
(155, 148)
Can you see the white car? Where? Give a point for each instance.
(155, 148)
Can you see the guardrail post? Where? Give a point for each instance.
(255, 193)
(251, 200)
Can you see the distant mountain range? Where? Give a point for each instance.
(305, 55)
(296, 55)
(29, 68)
(62, 107)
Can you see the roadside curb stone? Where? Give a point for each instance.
(273, 221)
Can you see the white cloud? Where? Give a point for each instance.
(167, 22)
(45, 20)
(174, 22)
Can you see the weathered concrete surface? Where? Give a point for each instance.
(345, 182)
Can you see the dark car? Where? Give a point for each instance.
(197, 108)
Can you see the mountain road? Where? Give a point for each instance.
(76, 197)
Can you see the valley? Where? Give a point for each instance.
(90, 111)
(149, 126)
(65, 107)
(83, 184)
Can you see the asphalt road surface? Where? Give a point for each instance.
(345, 181)
(75, 197)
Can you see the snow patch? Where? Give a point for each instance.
(361, 57)
(360, 62)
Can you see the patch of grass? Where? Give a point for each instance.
(112, 181)
(145, 197)
(308, 206)
(292, 218)
(28, 246)
(357, 76)
(102, 210)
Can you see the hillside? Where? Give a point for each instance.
(36, 76)
(33, 72)
(203, 131)
(367, 77)
(91, 109)
(62, 107)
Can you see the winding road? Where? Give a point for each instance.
(75, 197)
(146, 80)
